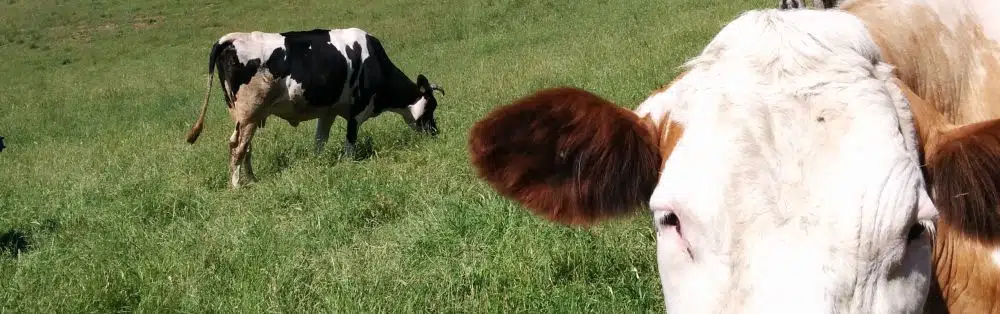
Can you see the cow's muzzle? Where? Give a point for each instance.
(426, 127)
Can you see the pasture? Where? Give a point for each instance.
(112, 211)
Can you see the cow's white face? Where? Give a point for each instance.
(795, 187)
(789, 180)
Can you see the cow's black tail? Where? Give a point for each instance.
(212, 58)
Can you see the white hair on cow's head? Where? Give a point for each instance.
(796, 182)
(792, 43)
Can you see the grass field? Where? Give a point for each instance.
(115, 212)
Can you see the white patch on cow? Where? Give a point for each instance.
(988, 12)
(254, 45)
(417, 109)
(294, 90)
(996, 257)
(655, 106)
(343, 38)
(234, 174)
(953, 13)
(234, 177)
(228, 88)
(796, 179)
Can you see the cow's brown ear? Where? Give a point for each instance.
(964, 171)
(567, 155)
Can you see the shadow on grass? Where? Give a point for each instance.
(13, 243)
(282, 156)
(364, 150)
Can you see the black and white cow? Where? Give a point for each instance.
(304, 75)
(801, 4)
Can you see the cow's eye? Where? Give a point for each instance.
(915, 232)
(669, 220)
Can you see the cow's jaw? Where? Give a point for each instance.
(796, 180)
(416, 110)
(419, 117)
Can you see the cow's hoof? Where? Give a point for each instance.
(245, 183)
(348, 154)
(237, 183)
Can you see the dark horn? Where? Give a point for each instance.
(437, 88)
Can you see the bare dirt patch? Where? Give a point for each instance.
(141, 22)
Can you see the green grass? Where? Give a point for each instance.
(122, 215)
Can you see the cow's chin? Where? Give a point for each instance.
(424, 127)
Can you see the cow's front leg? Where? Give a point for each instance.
(352, 138)
(323, 131)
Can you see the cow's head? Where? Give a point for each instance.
(421, 113)
(781, 170)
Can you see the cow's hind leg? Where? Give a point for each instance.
(248, 163)
(239, 145)
(234, 169)
(249, 113)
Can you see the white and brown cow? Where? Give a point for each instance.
(785, 168)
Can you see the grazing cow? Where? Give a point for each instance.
(783, 168)
(801, 4)
(304, 75)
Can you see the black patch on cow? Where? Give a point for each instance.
(311, 60)
(243, 73)
(395, 89)
(276, 63)
(354, 55)
(791, 4)
(213, 56)
(232, 71)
